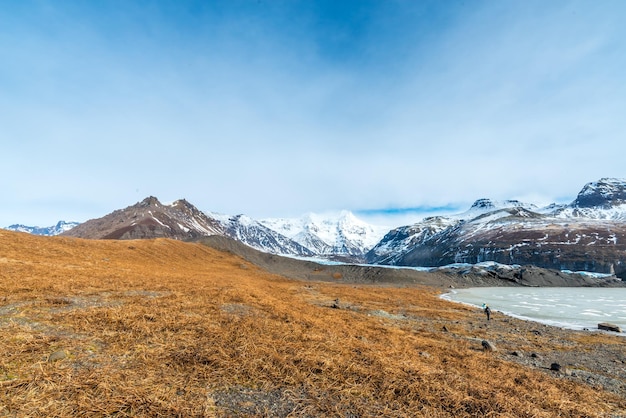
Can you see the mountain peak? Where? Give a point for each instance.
(483, 203)
(489, 204)
(184, 205)
(149, 201)
(337, 233)
(604, 193)
(347, 217)
(484, 206)
(183, 202)
(150, 219)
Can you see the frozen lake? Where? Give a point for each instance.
(567, 307)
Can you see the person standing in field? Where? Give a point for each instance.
(487, 311)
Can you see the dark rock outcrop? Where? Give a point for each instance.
(609, 327)
(488, 345)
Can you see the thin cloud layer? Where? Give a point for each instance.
(281, 108)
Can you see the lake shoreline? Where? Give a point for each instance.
(475, 297)
(594, 357)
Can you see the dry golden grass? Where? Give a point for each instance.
(165, 328)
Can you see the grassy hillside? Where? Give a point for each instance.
(165, 328)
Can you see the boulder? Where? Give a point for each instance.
(56, 356)
(609, 327)
(488, 346)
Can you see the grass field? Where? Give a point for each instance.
(166, 328)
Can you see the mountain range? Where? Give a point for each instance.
(57, 229)
(342, 237)
(589, 234)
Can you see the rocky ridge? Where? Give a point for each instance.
(585, 235)
(150, 219)
(344, 237)
(589, 234)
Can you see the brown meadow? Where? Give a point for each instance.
(167, 328)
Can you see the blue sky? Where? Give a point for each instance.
(278, 108)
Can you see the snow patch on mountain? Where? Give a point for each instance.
(617, 213)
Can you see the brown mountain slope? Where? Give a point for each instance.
(149, 219)
(167, 328)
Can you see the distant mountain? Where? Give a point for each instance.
(150, 219)
(341, 235)
(256, 235)
(57, 229)
(482, 206)
(397, 242)
(603, 199)
(394, 246)
(588, 234)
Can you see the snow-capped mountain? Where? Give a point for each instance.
(393, 247)
(396, 242)
(340, 234)
(57, 229)
(603, 199)
(313, 235)
(254, 234)
(483, 206)
(343, 236)
(588, 234)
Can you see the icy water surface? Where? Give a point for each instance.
(567, 307)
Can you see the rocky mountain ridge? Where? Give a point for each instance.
(343, 238)
(589, 234)
(150, 219)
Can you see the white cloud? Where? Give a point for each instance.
(265, 112)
